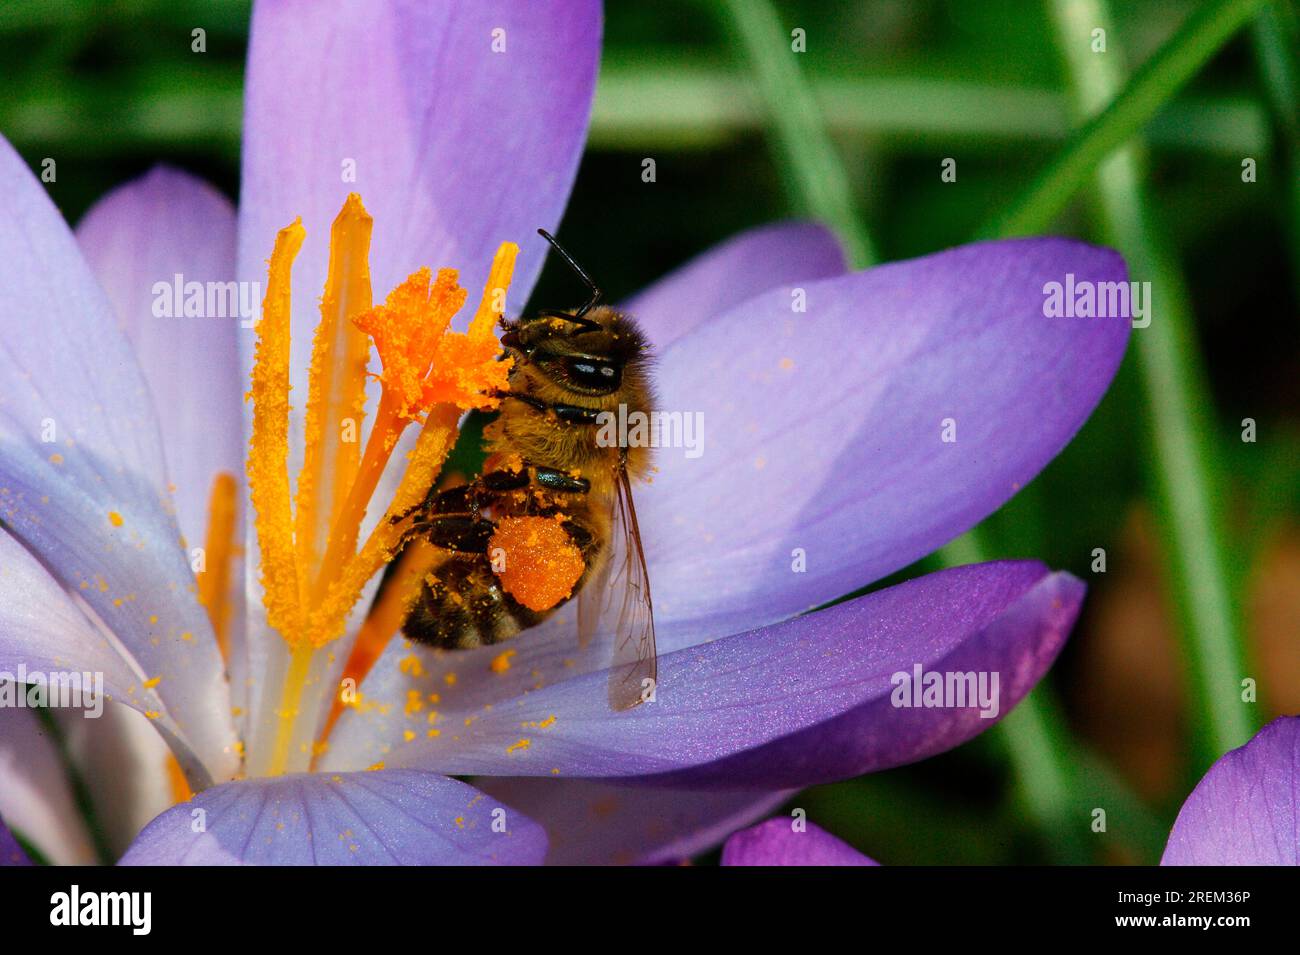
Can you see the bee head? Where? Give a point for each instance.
(587, 354)
(585, 351)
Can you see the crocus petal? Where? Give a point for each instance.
(11, 853)
(778, 842)
(147, 242)
(35, 797)
(81, 468)
(803, 702)
(43, 630)
(138, 240)
(453, 147)
(1246, 810)
(823, 431)
(736, 270)
(396, 817)
(592, 823)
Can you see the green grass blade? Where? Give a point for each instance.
(818, 177)
(1276, 33)
(1186, 482)
(1204, 33)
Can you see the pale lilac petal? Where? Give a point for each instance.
(798, 703)
(593, 823)
(726, 275)
(394, 817)
(778, 842)
(44, 629)
(11, 853)
(148, 242)
(1245, 811)
(823, 465)
(456, 148)
(81, 467)
(144, 234)
(35, 796)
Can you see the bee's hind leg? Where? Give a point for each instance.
(458, 532)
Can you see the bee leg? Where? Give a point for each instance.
(554, 479)
(456, 532)
(398, 518)
(504, 480)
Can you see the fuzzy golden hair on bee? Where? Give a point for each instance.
(560, 368)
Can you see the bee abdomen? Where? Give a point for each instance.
(465, 607)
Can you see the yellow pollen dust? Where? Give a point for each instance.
(314, 564)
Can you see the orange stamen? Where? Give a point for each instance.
(406, 329)
(465, 372)
(336, 398)
(428, 371)
(431, 449)
(268, 453)
(176, 781)
(219, 553)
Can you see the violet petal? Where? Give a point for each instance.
(393, 817)
(595, 823)
(1246, 809)
(824, 446)
(778, 842)
(81, 467)
(731, 272)
(798, 703)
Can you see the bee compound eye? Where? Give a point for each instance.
(594, 374)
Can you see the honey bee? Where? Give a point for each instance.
(545, 459)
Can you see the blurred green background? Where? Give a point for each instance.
(1202, 584)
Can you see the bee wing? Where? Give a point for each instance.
(617, 600)
(594, 596)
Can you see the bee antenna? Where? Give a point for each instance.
(596, 293)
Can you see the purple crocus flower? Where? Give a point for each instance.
(829, 400)
(780, 842)
(1246, 810)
